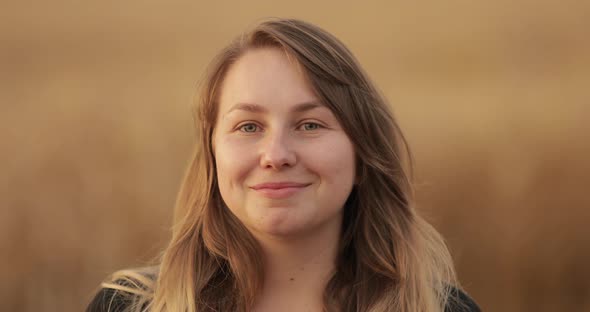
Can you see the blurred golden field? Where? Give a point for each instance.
(494, 96)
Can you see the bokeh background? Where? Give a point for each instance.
(95, 108)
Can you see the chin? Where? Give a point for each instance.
(279, 222)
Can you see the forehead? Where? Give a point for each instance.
(268, 78)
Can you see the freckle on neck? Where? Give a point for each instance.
(292, 279)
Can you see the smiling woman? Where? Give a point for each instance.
(319, 164)
(296, 198)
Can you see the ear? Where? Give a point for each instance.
(358, 168)
(212, 141)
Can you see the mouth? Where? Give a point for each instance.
(279, 189)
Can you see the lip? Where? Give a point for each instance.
(279, 185)
(277, 190)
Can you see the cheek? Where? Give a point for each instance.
(232, 162)
(334, 160)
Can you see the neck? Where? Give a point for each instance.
(298, 269)
(293, 260)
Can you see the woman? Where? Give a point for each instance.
(297, 198)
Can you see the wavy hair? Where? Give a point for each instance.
(389, 258)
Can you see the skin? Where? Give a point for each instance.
(299, 234)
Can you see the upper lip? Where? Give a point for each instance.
(278, 185)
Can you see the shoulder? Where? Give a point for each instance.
(111, 300)
(123, 291)
(460, 301)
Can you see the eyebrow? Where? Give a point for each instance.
(255, 108)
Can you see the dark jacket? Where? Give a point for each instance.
(118, 301)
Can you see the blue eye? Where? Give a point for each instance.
(251, 127)
(248, 124)
(317, 126)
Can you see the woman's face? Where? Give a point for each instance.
(271, 129)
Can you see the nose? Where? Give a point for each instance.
(277, 152)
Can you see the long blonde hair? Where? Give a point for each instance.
(390, 259)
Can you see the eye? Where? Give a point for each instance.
(250, 127)
(314, 126)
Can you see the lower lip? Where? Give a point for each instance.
(279, 193)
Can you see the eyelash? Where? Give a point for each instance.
(251, 123)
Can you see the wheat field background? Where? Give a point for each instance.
(95, 107)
